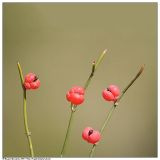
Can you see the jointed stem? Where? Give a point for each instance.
(114, 106)
(28, 133)
(73, 107)
(90, 77)
(94, 67)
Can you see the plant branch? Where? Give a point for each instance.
(90, 77)
(28, 133)
(94, 67)
(115, 105)
(21, 74)
(92, 150)
(68, 131)
(73, 107)
(130, 84)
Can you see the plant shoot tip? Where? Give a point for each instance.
(105, 50)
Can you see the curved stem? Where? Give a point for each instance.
(28, 133)
(114, 106)
(68, 131)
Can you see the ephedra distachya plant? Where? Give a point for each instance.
(76, 96)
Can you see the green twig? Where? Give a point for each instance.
(73, 107)
(90, 77)
(28, 133)
(100, 59)
(114, 106)
(92, 150)
(21, 74)
(130, 84)
(68, 131)
(94, 68)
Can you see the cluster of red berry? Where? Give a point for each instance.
(76, 96)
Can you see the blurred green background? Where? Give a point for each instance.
(58, 42)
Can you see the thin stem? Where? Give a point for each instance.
(100, 58)
(21, 74)
(132, 81)
(114, 106)
(102, 128)
(90, 77)
(28, 133)
(73, 107)
(94, 67)
(107, 119)
(68, 131)
(92, 150)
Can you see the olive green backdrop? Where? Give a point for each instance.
(58, 42)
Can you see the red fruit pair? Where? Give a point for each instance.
(31, 81)
(75, 95)
(90, 135)
(111, 93)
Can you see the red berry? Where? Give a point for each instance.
(111, 93)
(75, 95)
(85, 133)
(27, 85)
(90, 135)
(31, 81)
(114, 90)
(94, 137)
(35, 85)
(29, 77)
(108, 96)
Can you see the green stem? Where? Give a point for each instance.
(114, 106)
(107, 119)
(73, 107)
(92, 150)
(90, 77)
(28, 133)
(68, 131)
(130, 84)
(21, 74)
(94, 67)
(100, 59)
(102, 128)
